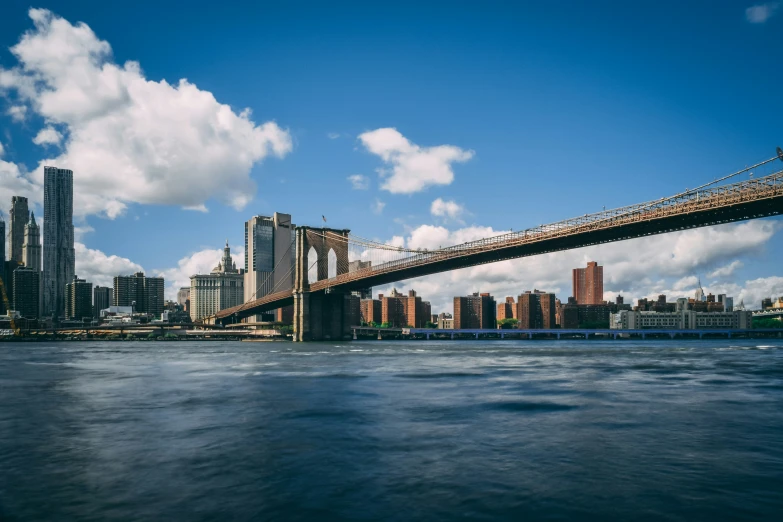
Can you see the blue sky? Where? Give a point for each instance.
(551, 109)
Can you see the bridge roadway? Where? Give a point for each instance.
(749, 199)
(569, 333)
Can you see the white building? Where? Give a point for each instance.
(682, 320)
(220, 289)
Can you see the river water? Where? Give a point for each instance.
(426, 431)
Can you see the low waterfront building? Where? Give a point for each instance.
(536, 310)
(26, 295)
(399, 310)
(476, 311)
(445, 321)
(683, 320)
(220, 289)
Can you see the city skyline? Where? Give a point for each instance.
(112, 233)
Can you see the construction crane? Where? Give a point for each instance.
(8, 307)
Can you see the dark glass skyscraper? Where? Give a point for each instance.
(59, 262)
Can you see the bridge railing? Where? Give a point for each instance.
(686, 202)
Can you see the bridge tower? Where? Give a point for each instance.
(320, 316)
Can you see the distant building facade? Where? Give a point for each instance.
(59, 258)
(401, 310)
(507, 309)
(445, 321)
(78, 299)
(102, 298)
(220, 289)
(27, 292)
(588, 284)
(355, 266)
(18, 219)
(270, 254)
(31, 245)
(144, 294)
(684, 320)
(370, 311)
(536, 310)
(476, 311)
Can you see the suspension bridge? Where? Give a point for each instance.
(330, 263)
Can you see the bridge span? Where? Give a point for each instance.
(319, 304)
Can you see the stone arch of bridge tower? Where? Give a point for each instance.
(324, 241)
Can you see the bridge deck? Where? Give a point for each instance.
(748, 199)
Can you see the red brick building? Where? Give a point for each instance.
(536, 310)
(475, 311)
(588, 284)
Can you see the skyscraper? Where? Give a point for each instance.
(59, 256)
(270, 254)
(588, 284)
(102, 298)
(18, 217)
(31, 248)
(2, 243)
(78, 299)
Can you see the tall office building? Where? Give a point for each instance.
(2, 243)
(475, 311)
(218, 290)
(270, 255)
(588, 284)
(78, 299)
(102, 298)
(26, 296)
(59, 261)
(18, 217)
(144, 294)
(31, 246)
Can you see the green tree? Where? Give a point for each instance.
(508, 324)
(767, 322)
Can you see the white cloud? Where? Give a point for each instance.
(378, 206)
(201, 262)
(79, 231)
(412, 168)
(359, 182)
(333, 135)
(16, 112)
(447, 209)
(132, 139)
(99, 268)
(48, 136)
(726, 270)
(642, 267)
(2, 150)
(14, 182)
(758, 14)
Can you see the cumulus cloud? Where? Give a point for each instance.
(15, 182)
(758, 14)
(333, 135)
(131, 139)
(48, 136)
(726, 270)
(99, 268)
(447, 209)
(16, 112)
(359, 182)
(409, 167)
(642, 267)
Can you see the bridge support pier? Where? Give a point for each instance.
(428, 337)
(321, 316)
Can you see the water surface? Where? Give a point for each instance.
(471, 430)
